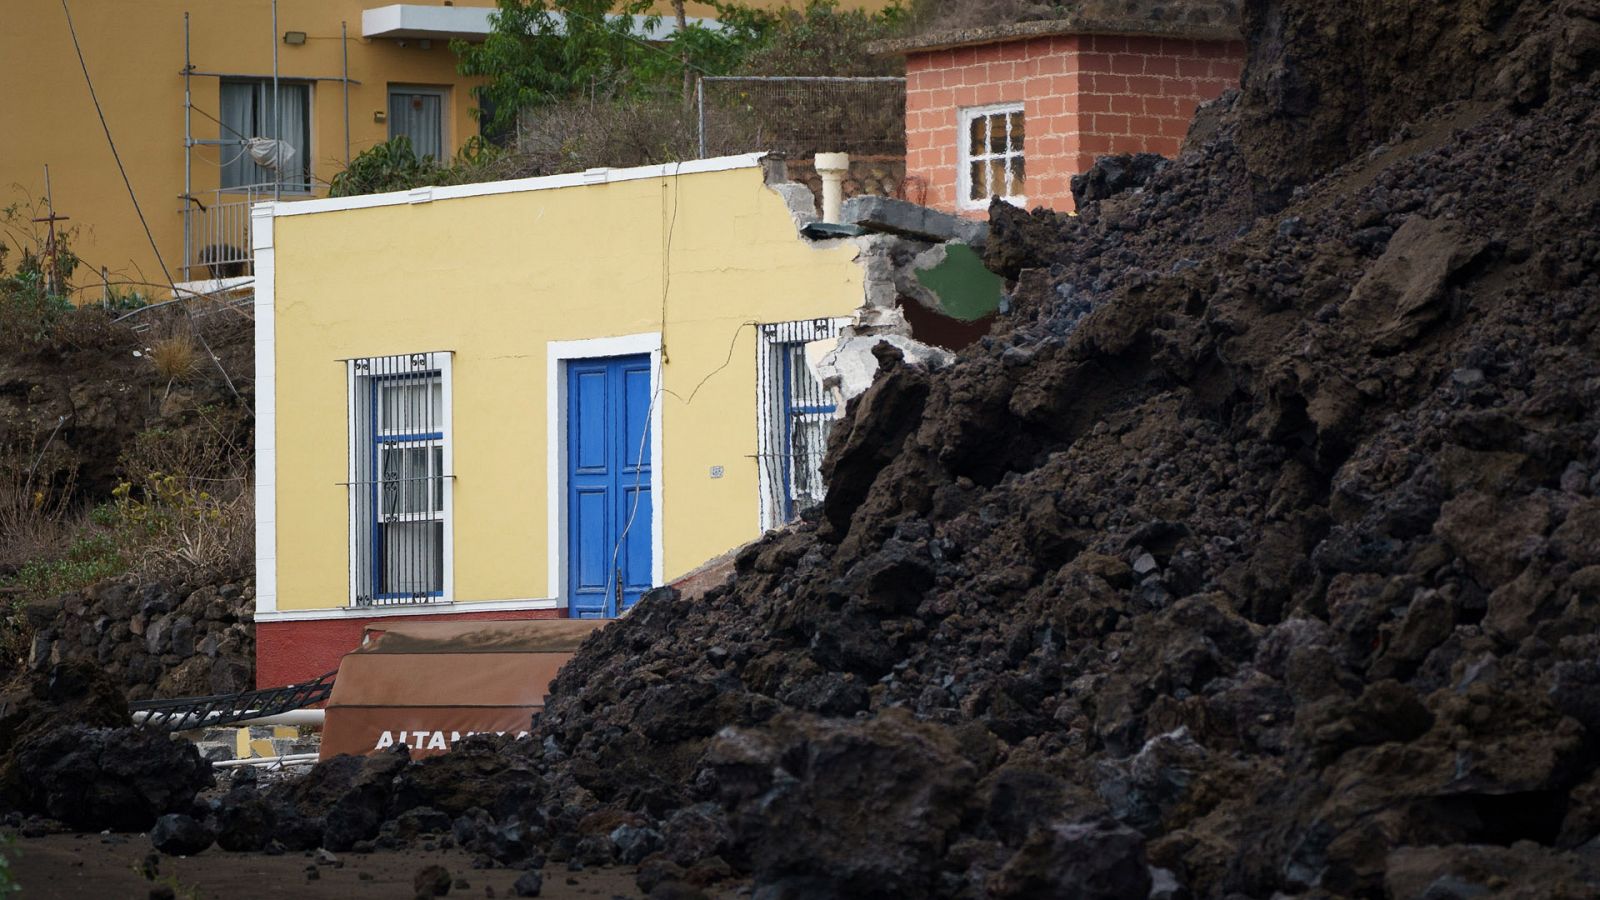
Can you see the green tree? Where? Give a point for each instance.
(546, 52)
(540, 53)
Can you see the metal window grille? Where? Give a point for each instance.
(796, 414)
(801, 115)
(994, 154)
(399, 483)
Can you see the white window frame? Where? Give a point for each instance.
(966, 158)
(360, 548)
(444, 113)
(772, 478)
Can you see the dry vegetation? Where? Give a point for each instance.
(945, 15)
(175, 356)
(184, 513)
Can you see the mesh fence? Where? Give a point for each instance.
(800, 116)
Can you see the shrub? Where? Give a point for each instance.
(171, 528)
(33, 317)
(394, 166)
(582, 134)
(390, 166)
(186, 508)
(90, 557)
(185, 512)
(175, 357)
(821, 39)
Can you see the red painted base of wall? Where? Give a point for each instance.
(291, 652)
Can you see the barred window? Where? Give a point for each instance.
(399, 479)
(992, 159)
(796, 414)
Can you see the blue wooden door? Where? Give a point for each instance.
(610, 513)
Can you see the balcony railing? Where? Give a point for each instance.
(216, 232)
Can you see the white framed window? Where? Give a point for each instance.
(993, 162)
(401, 465)
(795, 414)
(418, 113)
(246, 110)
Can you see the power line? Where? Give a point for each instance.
(669, 225)
(84, 65)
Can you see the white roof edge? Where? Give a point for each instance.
(416, 20)
(514, 186)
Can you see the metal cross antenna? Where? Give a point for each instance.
(52, 275)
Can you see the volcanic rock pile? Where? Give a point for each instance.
(153, 638)
(67, 753)
(1256, 552)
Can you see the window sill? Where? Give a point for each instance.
(975, 206)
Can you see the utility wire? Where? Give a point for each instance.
(669, 226)
(84, 65)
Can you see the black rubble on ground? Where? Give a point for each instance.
(69, 753)
(1256, 553)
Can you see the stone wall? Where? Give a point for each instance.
(1083, 96)
(155, 639)
(877, 176)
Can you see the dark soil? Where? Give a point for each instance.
(1251, 554)
(1257, 552)
(76, 866)
(73, 401)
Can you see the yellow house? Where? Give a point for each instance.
(187, 89)
(529, 398)
(348, 76)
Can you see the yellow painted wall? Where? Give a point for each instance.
(134, 50)
(493, 279)
(135, 53)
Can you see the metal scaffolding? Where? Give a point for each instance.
(216, 237)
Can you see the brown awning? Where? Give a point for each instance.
(428, 685)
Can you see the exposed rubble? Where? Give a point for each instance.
(67, 753)
(1255, 553)
(1246, 556)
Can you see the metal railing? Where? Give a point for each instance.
(184, 713)
(216, 232)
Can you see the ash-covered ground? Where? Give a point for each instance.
(1256, 553)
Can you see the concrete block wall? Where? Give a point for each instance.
(1083, 96)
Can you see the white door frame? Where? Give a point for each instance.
(557, 354)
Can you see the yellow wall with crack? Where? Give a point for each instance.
(494, 279)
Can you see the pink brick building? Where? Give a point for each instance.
(1015, 111)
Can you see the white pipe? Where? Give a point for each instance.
(309, 718)
(291, 759)
(832, 167)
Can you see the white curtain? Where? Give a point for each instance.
(238, 123)
(247, 112)
(294, 102)
(418, 116)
